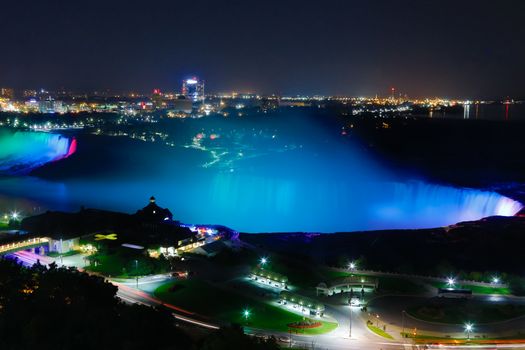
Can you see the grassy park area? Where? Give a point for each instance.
(475, 289)
(208, 300)
(299, 274)
(126, 263)
(379, 331)
(454, 311)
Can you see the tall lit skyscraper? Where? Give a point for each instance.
(193, 89)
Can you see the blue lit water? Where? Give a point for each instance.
(318, 185)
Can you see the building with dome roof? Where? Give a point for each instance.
(153, 213)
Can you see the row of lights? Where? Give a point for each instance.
(452, 281)
(12, 216)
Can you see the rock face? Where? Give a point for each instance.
(490, 244)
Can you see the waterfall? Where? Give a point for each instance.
(22, 151)
(267, 204)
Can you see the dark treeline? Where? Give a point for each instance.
(61, 308)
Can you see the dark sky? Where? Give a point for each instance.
(457, 48)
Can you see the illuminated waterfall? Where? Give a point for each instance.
(326, 206)
(21, 152)
(293, 192)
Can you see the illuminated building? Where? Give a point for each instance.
(193, 89)
(157, 99)
(59, 107)
(32, 105)
(180, 105)
(46, 106)
(152, 212)
(7, 93)
(30, 93)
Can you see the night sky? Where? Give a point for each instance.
(471, 49)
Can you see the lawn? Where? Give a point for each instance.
(475, 289)
(299, 274)
(333, 274)
(454, 311)
(380, 332)
(207, 300)
(4, 225)
(126, 263)
(400, 286)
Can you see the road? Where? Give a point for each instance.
(390, 309)
(362, 338)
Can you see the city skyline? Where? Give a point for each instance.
(461, 50)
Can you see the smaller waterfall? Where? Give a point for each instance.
(21, 152)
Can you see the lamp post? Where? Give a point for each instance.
(61, 251)
(403, 323)
(137, 272)
(468, 328)
(350, 330)
(263, 261)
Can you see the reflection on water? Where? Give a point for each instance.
(466, 111)
(506, 111)
(497, 112)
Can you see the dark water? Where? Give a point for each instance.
(319, 186)
(496, 112)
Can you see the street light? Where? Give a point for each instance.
(263, 261)
(61, 252)
(468, 328)
(246, 314)
(350, 332)
(352, 266)
(451, 281)
(137, 272)
(495, 280)
(15, 215)
(403, 323)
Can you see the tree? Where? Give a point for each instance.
(61, 308)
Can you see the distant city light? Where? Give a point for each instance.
(191, 81)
